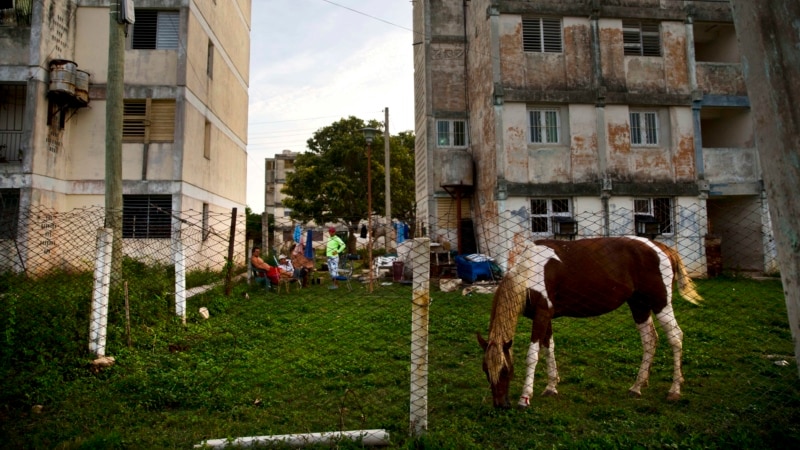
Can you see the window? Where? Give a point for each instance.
(148, 120)
(541, 35)
(545, 126)
(210, 60)
(207, 140)
(9, 210)
(147, 216)
(155, 30)
(451, 133)
(644, 128)
(658, 209)
(544, 210)
(641, 38)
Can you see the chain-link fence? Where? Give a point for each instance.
(397, 351)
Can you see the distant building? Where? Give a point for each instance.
(185, 114)
(276, 169)
(636, 112)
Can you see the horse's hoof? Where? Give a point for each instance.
(673, 396)
(550, 393)
(634, 394)
(524, 402)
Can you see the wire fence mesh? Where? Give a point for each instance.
(398, 351)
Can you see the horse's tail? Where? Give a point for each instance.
(686, 286)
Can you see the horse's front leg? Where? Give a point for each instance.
(552, 370)
(530, 369)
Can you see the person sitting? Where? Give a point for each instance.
(259, 264)
(287, 269)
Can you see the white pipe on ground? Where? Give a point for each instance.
(371, 438)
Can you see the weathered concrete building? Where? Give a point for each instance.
(275, 178)
(587, 118)
(185, 111)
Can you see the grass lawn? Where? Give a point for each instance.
(319, 360)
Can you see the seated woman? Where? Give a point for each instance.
(300, 262)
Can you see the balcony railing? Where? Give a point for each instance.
(10, 146)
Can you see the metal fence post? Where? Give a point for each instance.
(98, 319)
(420, 309)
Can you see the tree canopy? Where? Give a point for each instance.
(329, 182)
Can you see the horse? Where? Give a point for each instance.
(584, 278)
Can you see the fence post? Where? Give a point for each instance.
(229, 264)
(179, 260)
(98, 319)
(420, 309)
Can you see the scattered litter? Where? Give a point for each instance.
(386, 283)
(782, 363)
(204, 312)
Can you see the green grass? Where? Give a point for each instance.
(319, 360)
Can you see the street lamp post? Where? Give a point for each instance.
(369, 135)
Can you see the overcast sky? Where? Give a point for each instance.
(313, 62)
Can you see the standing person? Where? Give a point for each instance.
(335, 246)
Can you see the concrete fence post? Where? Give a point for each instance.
(98, 319)
(420, 309)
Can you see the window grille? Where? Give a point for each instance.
(541, 35)
(9, 211)
(545, 210)
(147, 216)
(545, 126)
(641, 38)
(451, 133)
(644, 128)
(654, 210)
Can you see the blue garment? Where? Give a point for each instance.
(297, 232)
(309, 250)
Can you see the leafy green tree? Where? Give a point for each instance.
(329, 182)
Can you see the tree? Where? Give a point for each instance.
(329, 182)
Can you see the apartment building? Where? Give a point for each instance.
(185, 113)
(588, 118)
(275, 170)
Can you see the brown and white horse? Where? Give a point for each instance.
(584, 278)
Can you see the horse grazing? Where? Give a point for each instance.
(584, 278)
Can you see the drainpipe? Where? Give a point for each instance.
(600, 123)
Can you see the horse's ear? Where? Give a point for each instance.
(482, 341)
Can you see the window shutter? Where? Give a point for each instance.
(651, 41)
(446, 212)
(134, 120)
(551, 30)
(167, 35)
(144, 29)
(162, 121)
(531, 35)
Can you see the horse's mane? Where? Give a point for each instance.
(509, 299)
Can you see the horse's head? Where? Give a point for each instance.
(498, 365)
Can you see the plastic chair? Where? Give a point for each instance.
(345, 271)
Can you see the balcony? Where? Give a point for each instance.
(19, 15)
